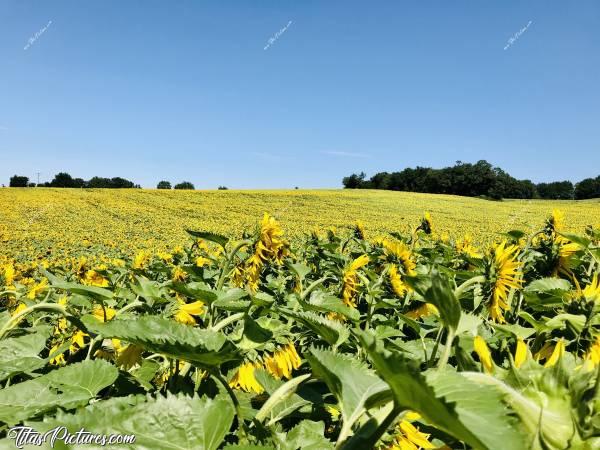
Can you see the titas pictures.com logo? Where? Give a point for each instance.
(28, 436)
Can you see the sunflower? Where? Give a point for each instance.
(467, 248)
(485, 357)
(592, 291)
(186, 311)
(178, 274)
(9, 274)
(93, 278)
(37, 288)
(426, 224)
(103, 314)
(270, 247)
(398, 286)
(359, 230)
(141, 259)
(281, 363)
(566, 254)
(557, 352)
(520, 353)
(245, 379)
(408, 437)
(399, 251)
(593, 353)
(425, 310)
(504, 274)
(350, 278)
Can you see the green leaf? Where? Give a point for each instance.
(148, 290)
(307, 435)
(87, 291)
(21, 354)
(442, 296)
(322, 302)
(196, 290)
(208, 236)
(355, 387)
(67, 387)
(548, 285)
(582, 241)
(160, 335)
(440, 406)
(254, 332)
(174, 422)
(332, 331)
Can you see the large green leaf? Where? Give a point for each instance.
(355, 386)
(442, 296)
(67, 387)
(208, 236)
(332, 331)
(87, 291)
(307, 435)
(161, 335)
(174, 422)
(21, 354)
(322, 302)
(470, 412)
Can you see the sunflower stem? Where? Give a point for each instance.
(447, 348)
(463, 287)
(236, 404)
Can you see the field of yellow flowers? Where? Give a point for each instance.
(337, 320)
(53, 224)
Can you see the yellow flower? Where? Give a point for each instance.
(58, 359)
(593, 353)
(566, 253)
(186, 311)
(592, 291)
(37, 289)
(556, 220)
(398, 286)
(520, 353)
(350, 279)
(244, 378)
(425, 310)
(505, 275)
(129, 356)
(408, 437)
(484, 354)
(201, 261)
(282, 362)
(141, 259)
(77, 341)
(400, 251)
(9, 274)
(93, 278)
(178, 274)
(466, 247)
(557, 352)
(103, 313)
(359, 230)
(166, 257)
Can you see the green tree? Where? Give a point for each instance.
(18, 181)
(163, 185)
(185, 185)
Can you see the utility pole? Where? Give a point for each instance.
(38, 178)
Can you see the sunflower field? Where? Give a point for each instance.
(340, 339)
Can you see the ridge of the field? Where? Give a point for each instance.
(53, 223)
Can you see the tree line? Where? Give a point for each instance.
(65, 180)
(473, 180)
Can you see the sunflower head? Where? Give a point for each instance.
(426, 224)
(359, 230)
(503, 273)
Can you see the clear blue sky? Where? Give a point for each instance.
(184, 90)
